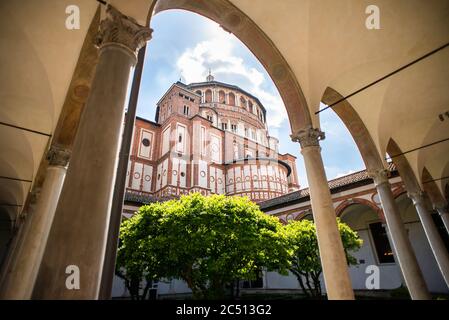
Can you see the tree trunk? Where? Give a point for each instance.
(301, 283)
(147, 287)
(312, 292)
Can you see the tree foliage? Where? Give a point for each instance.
(209, 242)
(305, 263)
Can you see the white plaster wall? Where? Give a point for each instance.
(147, 177)
(274, 280)
(174, 286)
(118, 288)
(390, 277)
(426, 260)
(220, 182)
(203, 166)
(137, 176)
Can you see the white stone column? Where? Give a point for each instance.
(332, 255)
(402, 248)
(77, 241)
(443, 211)
(23, 269)
(430, 229)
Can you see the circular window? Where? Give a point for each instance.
(212, 179)
(255, 178)
(175, 173)
(146, 142)
(248, 178)
(231, 180)
(238, 179)
(159, 176)
(203, 173)
(183, 174)
(165, 172)
(219, 181)
(136, 175)
(147, 178)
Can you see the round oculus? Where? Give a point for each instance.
(146, 142)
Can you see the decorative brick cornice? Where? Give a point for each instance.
(121, 30)
(58, 156)
(309, 137)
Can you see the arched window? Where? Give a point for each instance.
(199, 92)
(243, 102)
(231, 99)
(208, 95)
(250, 104)
(221, 97)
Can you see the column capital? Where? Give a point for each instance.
(34, 195)
(379, 176)
(58, 156)
(441, 209)
(417, 196)
(308, 137)
(121, 30)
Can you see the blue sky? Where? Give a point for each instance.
(185, 45)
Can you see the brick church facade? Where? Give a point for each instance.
(207, 137)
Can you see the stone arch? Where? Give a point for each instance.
(303, 214)
(406, 208)
(359, 213)
(243, 102)
(283, 221)
(431, 188)
(233, 20)
(212, 110)
(231, 97)
(208, 96)
(357, 129)
(345, 204)
(399, 191)
(221, 96)
(411, 181)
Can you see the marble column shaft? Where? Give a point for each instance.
(24, 267)
(78, 236)
(332, 255)
(430, 229)
(443, 211)
(402, 248)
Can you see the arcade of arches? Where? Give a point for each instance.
(57, 169)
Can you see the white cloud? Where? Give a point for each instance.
(217, 53)
(342, 174)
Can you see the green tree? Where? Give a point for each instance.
(305, 263)
(209, 242)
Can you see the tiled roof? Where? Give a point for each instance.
(334, 186)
